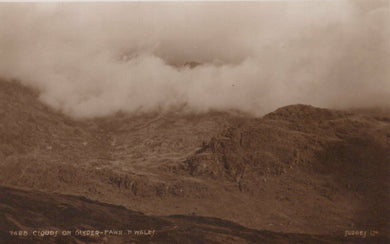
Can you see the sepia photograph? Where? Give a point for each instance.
(195, 122)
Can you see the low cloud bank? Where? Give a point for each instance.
(95, 59)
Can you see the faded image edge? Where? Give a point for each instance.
(195, 122)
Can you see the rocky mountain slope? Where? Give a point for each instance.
(299, 169)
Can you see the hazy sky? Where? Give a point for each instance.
(94, 59)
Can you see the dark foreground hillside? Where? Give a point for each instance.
(44, 217)
(299, 169)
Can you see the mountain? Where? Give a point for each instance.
(299, 169)
(300, 159)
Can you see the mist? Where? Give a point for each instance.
(95, 59)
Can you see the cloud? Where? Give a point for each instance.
(94, 59)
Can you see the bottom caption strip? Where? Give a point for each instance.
(85, 233)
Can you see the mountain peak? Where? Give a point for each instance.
(304, 112)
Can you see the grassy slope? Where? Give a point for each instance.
(31, 210)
